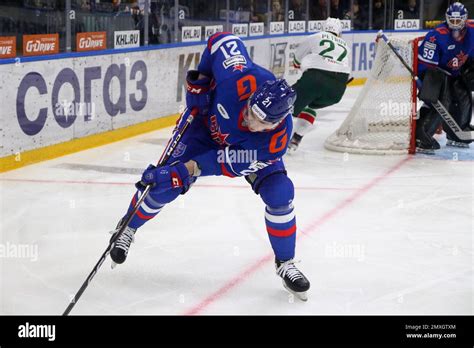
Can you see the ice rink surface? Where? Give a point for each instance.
(376, 235)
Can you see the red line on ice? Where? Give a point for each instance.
(85, 182)
(254, 267)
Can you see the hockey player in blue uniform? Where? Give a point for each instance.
(242, 130)
(446, 68)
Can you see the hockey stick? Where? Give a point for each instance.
(164, 158)
(438, 106)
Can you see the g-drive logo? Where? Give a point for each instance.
(40, 44)
(34, 91)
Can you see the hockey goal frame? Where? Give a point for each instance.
(343, 140)
(414, 115)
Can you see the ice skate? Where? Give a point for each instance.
(294, 142)
(453, 143)
(293, 279)
(427, 146)
(119, 250)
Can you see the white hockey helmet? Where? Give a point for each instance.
(456, 16)
(333, 25)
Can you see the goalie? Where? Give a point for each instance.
(447, 69)
(324, 59)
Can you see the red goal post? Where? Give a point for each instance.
(383, 118)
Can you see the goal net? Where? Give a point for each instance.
(382, 120)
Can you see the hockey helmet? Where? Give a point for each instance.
(456, 17)
(272, 101)
(333, 25)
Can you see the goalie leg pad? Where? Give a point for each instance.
(434, 82)
(277, 192)
(426, 126)
(467, 73)
(460, 107)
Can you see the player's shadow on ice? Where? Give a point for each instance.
(101, 169)
(450, 153)
(161, 142)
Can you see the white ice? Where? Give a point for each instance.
(377, 235)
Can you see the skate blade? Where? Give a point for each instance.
(459, 146)
(293, 147)
(303, 296)
(113, 265)
(425, 151)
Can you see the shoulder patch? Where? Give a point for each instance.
(442, 30)
(430, 45)
(470, 23)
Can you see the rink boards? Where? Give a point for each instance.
(56, 105)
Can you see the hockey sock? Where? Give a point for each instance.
(148, 210)
(304, 121)
(281, 228)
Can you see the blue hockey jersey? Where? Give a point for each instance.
(236, 77)
(439, 49)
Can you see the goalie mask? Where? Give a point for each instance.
(456, 17)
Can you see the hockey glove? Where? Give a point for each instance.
(166, 178)
(198, 92)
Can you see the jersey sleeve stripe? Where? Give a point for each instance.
(427, 61)
(225, 172)
(229, 162)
